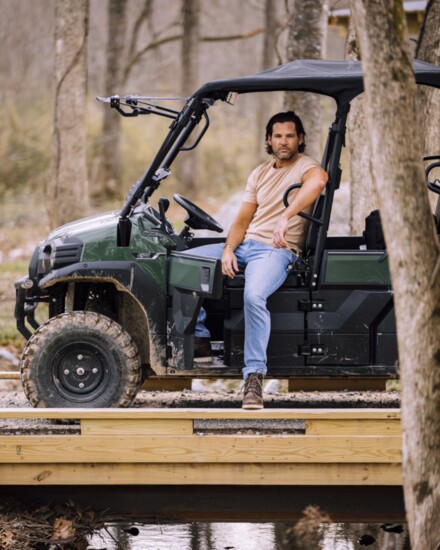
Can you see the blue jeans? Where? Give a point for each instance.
(265, 270)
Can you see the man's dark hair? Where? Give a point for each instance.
(288, 116)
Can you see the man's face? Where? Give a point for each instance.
(284, 140)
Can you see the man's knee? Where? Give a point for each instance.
(253, 299)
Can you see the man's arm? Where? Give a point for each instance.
(235, 238)
(313, 183)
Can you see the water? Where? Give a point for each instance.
(247, 536)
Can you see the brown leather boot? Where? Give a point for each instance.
(253, 392)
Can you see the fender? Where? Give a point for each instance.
(127, 277)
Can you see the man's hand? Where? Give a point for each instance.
(229, 262)
(279, 234)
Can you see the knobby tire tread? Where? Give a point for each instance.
(92, 321)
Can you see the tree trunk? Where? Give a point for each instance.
(190, 69)
(428, 99)
(263, 113)
(108, 183)
(307, 40)
(413, 252)
(363, 197)
(69, 189)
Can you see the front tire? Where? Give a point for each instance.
(81, 359)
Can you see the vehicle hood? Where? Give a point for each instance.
(77, 227)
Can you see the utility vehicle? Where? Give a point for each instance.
(123, 298)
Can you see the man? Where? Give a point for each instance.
(265, 239)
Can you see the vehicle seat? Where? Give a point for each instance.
(373, 234)
(293, 280)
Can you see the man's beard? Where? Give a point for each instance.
(287, 155)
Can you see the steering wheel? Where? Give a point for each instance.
(197, 218)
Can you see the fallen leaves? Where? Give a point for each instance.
(63, 531)
(7, 540)
(68, 526)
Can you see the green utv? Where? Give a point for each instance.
(123, 299)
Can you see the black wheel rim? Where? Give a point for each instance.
(81, 372)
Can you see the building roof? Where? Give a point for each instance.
(340, 8)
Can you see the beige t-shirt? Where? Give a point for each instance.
(265, 187)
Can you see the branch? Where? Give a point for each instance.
(226, 38)
(143, 16)
(151, 46)
(161, 41)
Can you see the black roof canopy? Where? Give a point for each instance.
(341, 80)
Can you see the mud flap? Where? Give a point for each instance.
(190, 279)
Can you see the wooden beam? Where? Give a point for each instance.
(157, 447)
(200, 474)
(167, 384)
(337, 384)
(294, 414)
(205, 449)
(9, 375)
(357, 426)
(137, 426)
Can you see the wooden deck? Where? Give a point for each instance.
(337, 447)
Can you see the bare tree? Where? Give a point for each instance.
(190, 44)
(109, 178)
(121, 59)
(413, 248)
(68, 189)
(363, 197)
(270, 28)
(428, 49)
(306, 40)
(190, 69)
(157, 37)
(146, 37)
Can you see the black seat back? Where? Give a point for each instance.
(313, 227)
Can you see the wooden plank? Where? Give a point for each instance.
(206, 448)
(136, 426)
(200, 474)
(9, 375)
(337, 384)
(353, 427)
(167, 384)
(302, 414)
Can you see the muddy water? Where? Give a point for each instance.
(249, 536)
